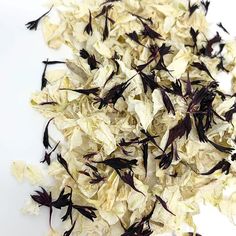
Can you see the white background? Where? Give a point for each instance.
(21, 53)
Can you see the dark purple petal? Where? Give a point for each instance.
(141, 228)
(104, 10)
(134, 36)
(46, 136)
(106, 30)
(110, 77)
(149, 32)
(198, 120)
(128, 178)
(90, 155)
(52, 62)
(95, 169)
(202, 67)
(110, 1)
(33, 25)
(44, 81)
(87, 211)
(229, 114)
(194, 34)
(148, 81)
(68, 233)
(96, 178)
(114, 59)
(222, 165)
(119, 163)
(207, 51)
(48, 103)
(167, 102)
(92, 62)
(233, 157)
(166, 160)
(220, 66)
(84, 172)
(221, 148)
(93, 91)
(193, 234)
(88, 28)
(192, 8)
(183, 127)
(176, 88)
(164, 205)
(149, 19)
(47, 156)
(68, 213)
(84, 54)
(206, 5)
(145, 156)
(63, 162)
(113, 94)
(124, 143)
(223, 28)
(43, 198)
(63, 200)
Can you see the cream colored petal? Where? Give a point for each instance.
(18, 170)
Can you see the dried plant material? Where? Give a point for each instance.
(21, 171)
(33, 25)
(146, 130)
(18, 169)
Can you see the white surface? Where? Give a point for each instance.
(21, 53)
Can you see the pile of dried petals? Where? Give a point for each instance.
(148, 133)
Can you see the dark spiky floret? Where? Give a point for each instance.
(91, 60)
(222, 165)
(141, 228)
(192, 8)
(113, 94)
(124, 168)
(208, 49)
(206, 5)
(128, 178)
(89, 28)
(149, 19)
(183, 127)
(149, 32)
(194, 34)
(33, 25)
(202, 67)
(47, 155)
(87, 211)
(104, 12)
(148, 81)
(134, 36)
(96, 176)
